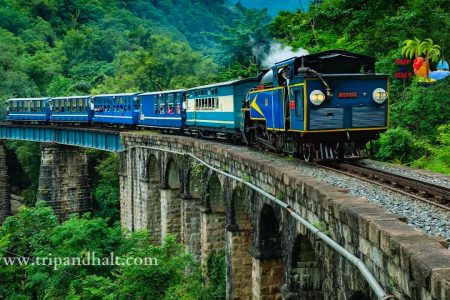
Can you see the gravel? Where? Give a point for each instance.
(422, 216)
(435, 178)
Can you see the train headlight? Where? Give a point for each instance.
(379, 95)
(317, 97)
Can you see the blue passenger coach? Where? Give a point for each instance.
(217, 107)
(28, 109)
(70, 109)
(117, 108)
(162, 109)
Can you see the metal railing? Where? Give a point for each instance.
(358, 263)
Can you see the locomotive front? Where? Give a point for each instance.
(324, 106)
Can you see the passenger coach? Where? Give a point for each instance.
(28, 109)
(162, 109)
(216, 109)
(74, 109)
(121, 109)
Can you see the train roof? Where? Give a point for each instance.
(70, 97)
(160, 92)
(225, 83)
(117, 95)
(332, 61)
(28, 99)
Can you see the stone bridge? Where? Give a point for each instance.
(269, 254)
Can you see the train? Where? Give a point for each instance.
(322, 106)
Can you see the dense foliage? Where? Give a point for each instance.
(35, 232)
(380, 28)
(78, 47)
(63, 47)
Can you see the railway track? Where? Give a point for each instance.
(423, 191)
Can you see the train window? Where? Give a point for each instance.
(137, 103)
(298, 96)
(162, 104)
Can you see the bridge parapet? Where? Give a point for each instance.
(268, 253)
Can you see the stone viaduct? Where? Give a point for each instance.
(269, 254)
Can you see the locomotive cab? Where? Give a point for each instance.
(329, 104)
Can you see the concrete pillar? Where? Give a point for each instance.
(239, 265)
(190, 226)
(5, 201)
(63, 180)
(266, 277)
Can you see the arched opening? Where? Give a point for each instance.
(214, 195)
(270, 233)
(173, 176)
(305, 274)
(153, 199)
(238, 243)
(190, 214)
(267, 266)
(171, 202)
(358, 295)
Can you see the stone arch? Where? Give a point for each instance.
(170, 200)
(190, 209)
(240, 206)
(154, 197)
(267, 265)
(238, 244)
(173, 175)
(197, 183)
(305, 275)
(214, 195)
(269, 230)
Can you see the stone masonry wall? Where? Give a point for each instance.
(406, 262)
(63, 180)
(5, 201)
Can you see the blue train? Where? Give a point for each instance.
(322, 106)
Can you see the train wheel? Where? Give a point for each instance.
(308, 154)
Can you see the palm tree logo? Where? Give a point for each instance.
(415, 48)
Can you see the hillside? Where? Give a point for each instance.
(68, 47)
(275, 7)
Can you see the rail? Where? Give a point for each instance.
(420, 190)
(373, 283)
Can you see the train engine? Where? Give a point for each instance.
(322, 106)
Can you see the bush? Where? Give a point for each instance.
(397, 144)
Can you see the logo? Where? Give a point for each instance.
(347, 95)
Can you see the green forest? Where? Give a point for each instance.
(70, 47)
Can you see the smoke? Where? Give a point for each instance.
(278, 52)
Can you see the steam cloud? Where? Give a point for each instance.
(279, 52)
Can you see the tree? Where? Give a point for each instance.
(412, 48)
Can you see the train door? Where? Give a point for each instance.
(283, 79)
(296, 107)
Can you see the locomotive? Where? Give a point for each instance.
(321, 106)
